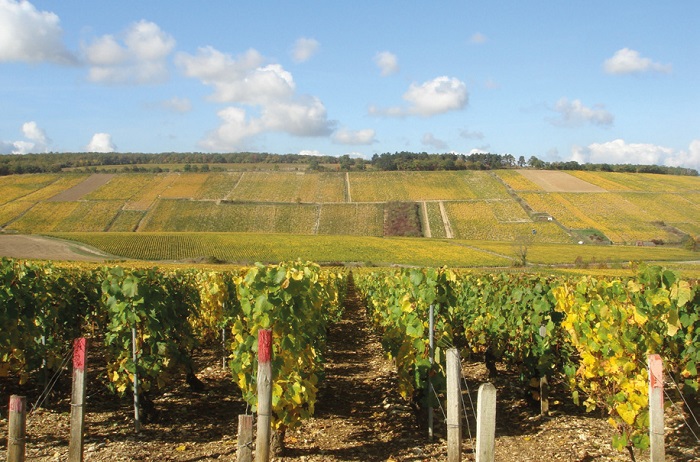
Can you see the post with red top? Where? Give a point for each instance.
(77, 408)
(262, 442)
(656, 409)
(17, 429)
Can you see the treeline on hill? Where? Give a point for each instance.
(197, 161)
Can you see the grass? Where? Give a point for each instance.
(553, 254)
(289, 187)
(419, 186)
(247, 248)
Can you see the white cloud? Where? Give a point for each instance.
(140, 59)
(437, 96)
(304, 49)
(101, 142)
(430, 140)
(35, 141)
(478, 38)
(575, 114)
(355, 137)
(248, 82)
(689, 158)
(34, 133)
(620, 152)
(311, 152)
(29, 35)
(243, 80)
(626, 61)
(387, 63)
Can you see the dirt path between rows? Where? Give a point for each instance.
(44, 248)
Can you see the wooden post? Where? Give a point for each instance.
(656, 409)
(77, 409)
(224, 356)
(544, 395)
(486, 423)
(544, 384)
(245, 438)
(137, 416)
(262, 442)
(17, 429)
(431, 357)
(454, 405)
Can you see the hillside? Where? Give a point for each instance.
(530, 207)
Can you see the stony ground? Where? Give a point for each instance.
(359, 417)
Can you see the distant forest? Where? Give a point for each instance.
(195, 161)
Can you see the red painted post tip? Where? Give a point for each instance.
(16, 403)
(656, 371)
(79, 347)
(264, 345)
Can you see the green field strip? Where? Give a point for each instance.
(412, 186)
(289, 187)
(125, 187)
(244, 247)
(127, 220)
(13, 187)
(437, 226)
(218, 185)
(198, 216)
(552, 254)
(618, 181)
(351, 219)
(12, 211)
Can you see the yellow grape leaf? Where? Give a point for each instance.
(639, 318)
(181, 448)
(627, 413)
(115, 376)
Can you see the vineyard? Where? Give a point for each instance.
(589, 336)
(501, 205)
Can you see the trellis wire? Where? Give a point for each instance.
(52, 382)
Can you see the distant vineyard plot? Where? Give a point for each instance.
(500, 205)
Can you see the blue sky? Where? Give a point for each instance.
(596, 81)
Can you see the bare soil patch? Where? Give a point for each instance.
(43, 248)
(556, 181)
(84, 188)
(359, 416)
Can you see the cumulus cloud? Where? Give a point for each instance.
(575, 114)
(35, 133)
(30, 35)
(304, 49)
(689, 158)
(626, 61)
(35, 141)
(140, 57)
(620, 152)
(430, 140)
(387, 63)
(248, 82)
(311, 152)
(101, 142)
(243, 80)
(437, 96)
(355, 137)
(478, 38)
